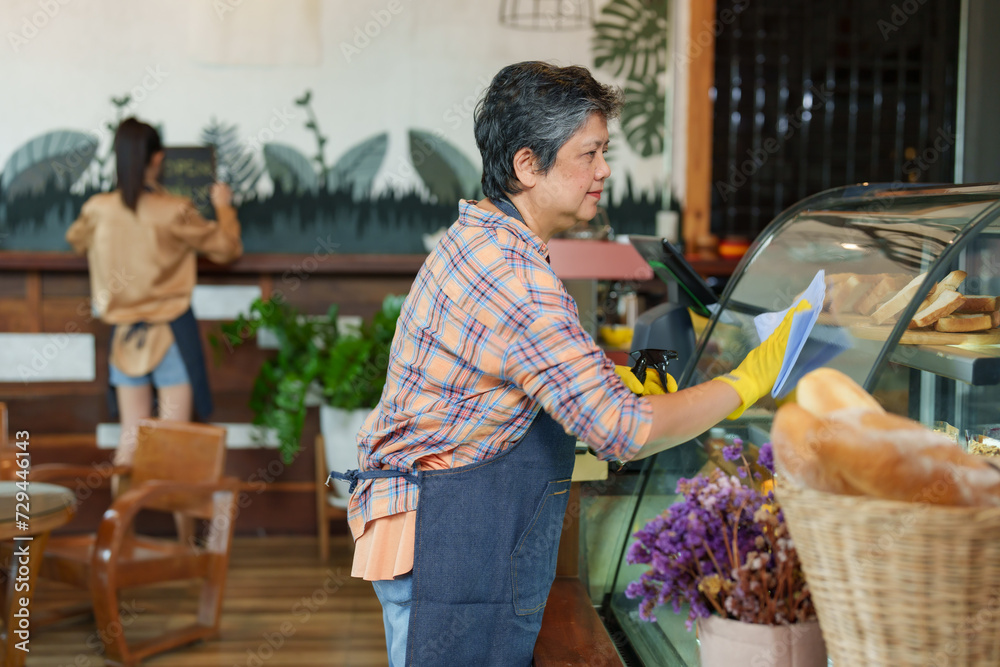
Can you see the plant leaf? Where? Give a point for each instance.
(59, 157)
(447, 173)
(355, 170)
(236, 164)
(290, 169)
(631, 38)
(643, 116)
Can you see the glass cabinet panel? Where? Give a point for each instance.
(875, 244)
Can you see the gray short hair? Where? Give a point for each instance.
(538, 106)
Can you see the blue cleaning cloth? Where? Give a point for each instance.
(809, 347)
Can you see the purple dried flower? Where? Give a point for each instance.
(721, 549)
(733, 452)
(765, 457)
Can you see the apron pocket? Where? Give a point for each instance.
(533, 563)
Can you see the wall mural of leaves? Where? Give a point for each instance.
(312, 199)
(630, 40)
(446, 172)
(59, 157)
(289, 168)
(356, 169)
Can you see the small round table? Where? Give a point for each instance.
(48, 506)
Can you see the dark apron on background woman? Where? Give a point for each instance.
(484, 553)
(188, 339)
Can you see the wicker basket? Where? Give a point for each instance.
(899, 583)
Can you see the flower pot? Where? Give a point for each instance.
(728, 643)
(340, 443)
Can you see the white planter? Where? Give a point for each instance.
(728, 643)
(340, 439)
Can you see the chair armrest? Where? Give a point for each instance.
(117, 518)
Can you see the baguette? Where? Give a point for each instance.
(946, 303)
(890, 309)
(891, 457)
(858, 449)
(966, 322)
(827, 390)
(795, 454)
(978, 304)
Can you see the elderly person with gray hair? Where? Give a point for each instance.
(466, 461)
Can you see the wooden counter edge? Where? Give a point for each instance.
(572, 633)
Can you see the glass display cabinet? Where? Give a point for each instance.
(883, 249)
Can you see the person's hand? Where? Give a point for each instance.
(756, 375)
(650, 387)
(221, 195)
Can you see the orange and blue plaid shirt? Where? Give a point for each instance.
(487, 336)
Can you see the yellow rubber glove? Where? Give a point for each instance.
(650, 387)
(756, 375)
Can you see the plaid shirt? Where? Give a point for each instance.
(487, 336)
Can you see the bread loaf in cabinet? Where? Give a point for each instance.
(946, 303)
(965, 323)
(978, 304)
(889, 311)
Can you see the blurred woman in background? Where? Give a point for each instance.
(141, 244)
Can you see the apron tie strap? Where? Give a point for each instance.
(138, 330)
(354, 476)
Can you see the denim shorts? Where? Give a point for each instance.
(168, 373)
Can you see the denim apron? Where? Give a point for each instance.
(484, 553)
(188, 339)
(485, 547)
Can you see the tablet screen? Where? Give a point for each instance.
(669, 265)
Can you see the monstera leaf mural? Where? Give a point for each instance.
(643, 116)
(630, 40)
(289, 169)
(355, 170)
(447, 173)
(58, 158)
(236, 165)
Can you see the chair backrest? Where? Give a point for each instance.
(180, 452)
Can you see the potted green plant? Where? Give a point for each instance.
(315, 355)
(352, 379)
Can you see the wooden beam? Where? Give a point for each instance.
(700, 53)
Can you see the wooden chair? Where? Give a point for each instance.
(8, 455)
(329, 505)
(177, 467)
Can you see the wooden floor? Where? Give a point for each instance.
(283, 608)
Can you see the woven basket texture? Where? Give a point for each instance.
(898, 583)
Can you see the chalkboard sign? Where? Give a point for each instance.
(189, 171)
